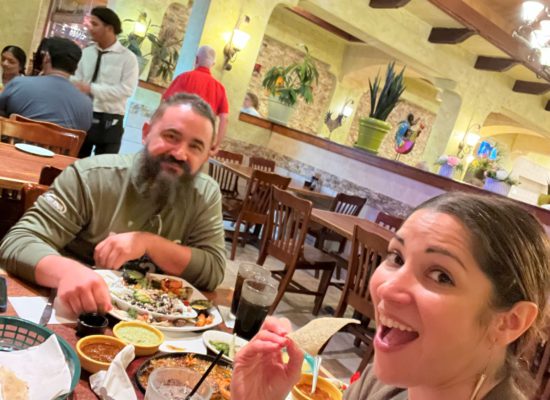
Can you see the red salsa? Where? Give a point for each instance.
(103, 352)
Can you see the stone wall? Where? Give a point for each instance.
(306, 117)
(399, 113)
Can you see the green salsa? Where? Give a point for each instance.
(137, 335)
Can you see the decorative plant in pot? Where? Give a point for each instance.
(448, 165)
(383, 100)
(286, 84)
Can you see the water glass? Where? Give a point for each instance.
(256, 299)
(246, 271)
(175, 384)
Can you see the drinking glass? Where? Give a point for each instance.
(175, 384)
(256, 298)
(246, 271)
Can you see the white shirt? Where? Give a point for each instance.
(117, 79)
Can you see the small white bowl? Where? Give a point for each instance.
(219, 336)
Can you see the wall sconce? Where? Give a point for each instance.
(345, 112)
(469, 141)
(140, 26)
(235, 42)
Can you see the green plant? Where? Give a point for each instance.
(293, 81)
(382, 104)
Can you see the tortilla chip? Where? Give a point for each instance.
(13, 388)
(312, 336)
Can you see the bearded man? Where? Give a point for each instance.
(110, 209)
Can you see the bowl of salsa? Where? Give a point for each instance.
(325, 389)
(145, 338)
(96, 352)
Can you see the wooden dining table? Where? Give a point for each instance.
(17, 287)
(19, 167)
(345, 224)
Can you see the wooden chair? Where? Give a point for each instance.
(48, 175)
(388, 221)
(255, 205)
(262, 164)
(283, 239)
(14, 132)
(80, 133)
(368, 251)
(31, 192)
(14, 203)
(343, 204)
(227, 180)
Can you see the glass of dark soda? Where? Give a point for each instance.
(256, 298)
(246, 271)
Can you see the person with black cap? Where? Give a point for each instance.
(108, 72)
(65, 105)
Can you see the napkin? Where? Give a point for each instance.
(43, 367)
(114, 384)
(31, 308)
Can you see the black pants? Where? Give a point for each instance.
(105, 134)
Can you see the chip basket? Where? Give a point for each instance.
(18, 334)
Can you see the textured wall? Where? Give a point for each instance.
(398, 114)
(306, 117)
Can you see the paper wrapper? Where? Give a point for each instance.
(114, 384)
(43, 367)
(312, 336)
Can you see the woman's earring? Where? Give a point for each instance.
(478, 386)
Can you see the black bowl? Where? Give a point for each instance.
(91, 324)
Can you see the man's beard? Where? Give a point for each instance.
(153, 182)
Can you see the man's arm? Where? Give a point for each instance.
(222, 129)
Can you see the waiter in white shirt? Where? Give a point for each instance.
(108, 72)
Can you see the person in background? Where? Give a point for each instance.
(13, 63)
(459, 298)
(251, 104)
(110, 209)
(201, 82)
(107, 72)
(65, 105)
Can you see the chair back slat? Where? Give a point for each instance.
(48, 175)
(388, 221)
(262, 164)
(347, 204)
(227, 180)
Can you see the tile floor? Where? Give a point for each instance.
(341, 357)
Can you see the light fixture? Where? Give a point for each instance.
(345, 112)
(534, 33)
(140, 25)
(235, 40)
(469, 141)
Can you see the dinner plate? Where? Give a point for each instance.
(111, 277)
(219, 336)
(36, 150)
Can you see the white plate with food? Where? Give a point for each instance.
(218, 340)
(166, 302)
(36, 150)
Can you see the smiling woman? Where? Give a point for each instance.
(460, 295)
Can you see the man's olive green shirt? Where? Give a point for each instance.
(98, 195)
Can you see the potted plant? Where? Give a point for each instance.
(447, 165)
(383, 100)
(499, 181)
(286, 84)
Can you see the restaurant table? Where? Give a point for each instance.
(19, 167)
(17, 287)
(345, 224)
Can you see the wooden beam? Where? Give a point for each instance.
(498, 64)
(531, 87)
(494, 34)
(388, 3)
(547, 108)
(449, 35)
(324, 24)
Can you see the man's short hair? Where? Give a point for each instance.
(206, 56)
(64, 53)
(108, 17)
(198, 105)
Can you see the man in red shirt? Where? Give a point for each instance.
(201, 82)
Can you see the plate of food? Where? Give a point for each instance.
(166, 302)
(219, 379)
(216, 341)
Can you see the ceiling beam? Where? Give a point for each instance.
(498, 64)
(531, 87)
(388, 3)
(473, 19)
(324, 24)
(547, 108)
(449, 35)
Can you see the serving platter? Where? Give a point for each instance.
(124, 311)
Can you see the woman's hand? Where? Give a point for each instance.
(259, 372)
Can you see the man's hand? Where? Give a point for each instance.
(83, 290)
(259, 372)
(117, 249)
(83, 87)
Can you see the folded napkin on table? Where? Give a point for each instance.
(114, 384)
